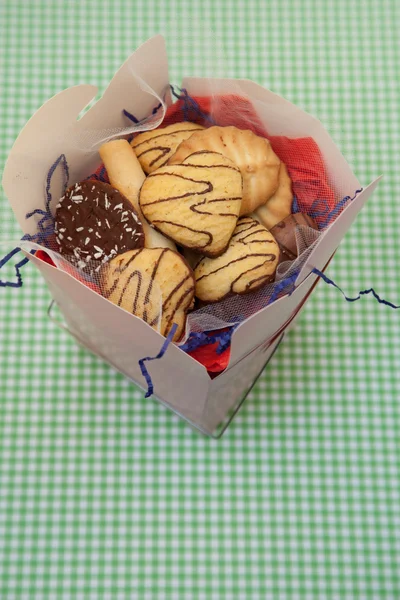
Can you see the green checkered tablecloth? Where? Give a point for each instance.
(105, 495)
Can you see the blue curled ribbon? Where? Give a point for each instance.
(45, 224)
(189, 104)
(4, 260)
(336, 209)
(164, 347)
(132, 117)
(361, 293)
(295, 205)
(46, 214)
(288, 282)
(198, 339)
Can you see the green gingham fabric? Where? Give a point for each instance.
(105, 495)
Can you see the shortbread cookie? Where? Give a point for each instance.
(155, 284)
(195, 203)
(279, 205)
(154, 148)
(254, 156)
(93, 223)
(126, 175)
(249, 263)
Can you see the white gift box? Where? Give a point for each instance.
(121, 339)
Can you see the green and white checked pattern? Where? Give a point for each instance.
(104, 495)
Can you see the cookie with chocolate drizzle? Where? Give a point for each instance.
(258, 163)
(249, 262)
(155, 284)
(195, 203)
(154, 148)
(93, 223)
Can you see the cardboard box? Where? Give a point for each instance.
(118, 337)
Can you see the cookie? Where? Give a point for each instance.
(254, 156)
(249, 263)
(154, 148)
(93, 223)
(126, 175)
(195, 203)
(155, 284)
(291, 229)
(279, 205)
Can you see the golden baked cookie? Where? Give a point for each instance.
(195, 203)
(154, 148)
(279, 206)
(253, 154)
(155, 284)
(249, 263)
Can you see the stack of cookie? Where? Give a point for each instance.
(190, 213)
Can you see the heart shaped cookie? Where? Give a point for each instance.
(249, 263)
(154, 148)
(155, 284)
(196, 203)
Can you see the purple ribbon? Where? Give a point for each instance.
(45, 224)
(204, 338)
(361, 293)
(145, 373)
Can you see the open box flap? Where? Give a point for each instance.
(133, 88)
(123, 339)
(334, 234)
(55, 128)
(281, 117)
(265, 323)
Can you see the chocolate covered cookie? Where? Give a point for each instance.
(155, 284)
(195, 203)
(154, 148)
(93, 223)
(249, 262)
(285, 234)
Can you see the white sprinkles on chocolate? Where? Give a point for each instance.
(96, 224)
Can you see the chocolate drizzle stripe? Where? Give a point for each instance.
(139, 285)
(271, 257)
(119, 268)
(163, 151)
(167, 134)
(176, 288)
(206, 233)
(177, 306)
(241, 241)
(179, 302)
(232, 198)
(152, 278)
(107, 293)
(208, 184)
(194, 207)
(250, 283)
(240, 229)
(201, 152)
(124, 266)
(194, 166)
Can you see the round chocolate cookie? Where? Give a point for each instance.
(93, 223)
